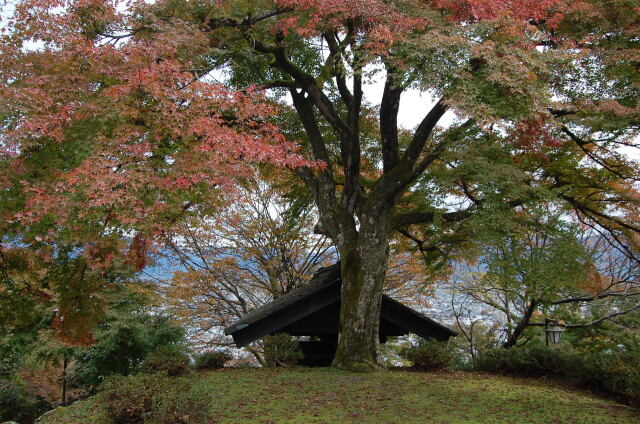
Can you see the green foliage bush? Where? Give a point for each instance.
(122, 343)
(281, 350)
(530, 361)
(429, 354)
(170, 359)
(16, 404)
(616, 372)
(212, 360)
(152, 399)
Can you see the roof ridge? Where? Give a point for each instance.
(321, 277)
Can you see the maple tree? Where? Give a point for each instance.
(114, 121)
(105, 141)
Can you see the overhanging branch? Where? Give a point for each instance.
(591, 323)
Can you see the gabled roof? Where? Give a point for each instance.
(323, 278)
(320, 293)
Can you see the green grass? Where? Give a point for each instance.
(308, 396)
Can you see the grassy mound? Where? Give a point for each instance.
(306, 396)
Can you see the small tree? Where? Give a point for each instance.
(122, 342)
(51, 351)
(253, 252)
(562, 273)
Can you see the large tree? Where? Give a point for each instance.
(542, 95)
(261, 247)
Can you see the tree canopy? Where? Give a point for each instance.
(119, 118)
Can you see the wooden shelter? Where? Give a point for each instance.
(314, 309)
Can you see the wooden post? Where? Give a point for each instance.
(64, 380)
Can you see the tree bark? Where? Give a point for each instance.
(524, 322)
(364, 261)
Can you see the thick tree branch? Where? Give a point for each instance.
(305, 112)
(389, 107)
(594, 297)
(402, 220)
(422, 133)
(604, 318)
(522, 324)
(248, 21)
(310, 180)
(323, 187)
(306, 81)
(395, 181)
(591, 323)
(467, 192)
(280, 84)
(589, 211)
(613, 168)
(424, 249)
(558, 113)
(350, 148)
(411, 218)
(337, 63)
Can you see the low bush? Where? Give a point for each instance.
(17, 404)
(615, 372)
(281, 350)
(170, 359)
(429, 354)
(529, 361)
(212, 360)
(152, 399)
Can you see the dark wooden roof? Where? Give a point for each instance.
(322, 278)
(312, 310)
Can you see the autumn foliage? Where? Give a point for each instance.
(120, 119)
(108, 132)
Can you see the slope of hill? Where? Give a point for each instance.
(302, 395)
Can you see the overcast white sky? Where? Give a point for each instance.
(413, 104)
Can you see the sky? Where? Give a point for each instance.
(414, 105)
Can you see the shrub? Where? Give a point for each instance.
(122, 343)
(152, 399)
(429, 354)
(530, 361)
(281, 350)
(616, 372)
(212, 360)
(170, 359)
(17, 404)
(493, 360)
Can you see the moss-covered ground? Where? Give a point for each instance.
(305, 396)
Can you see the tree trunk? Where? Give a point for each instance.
(524, 322)
(364, 260)
(64, 380)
